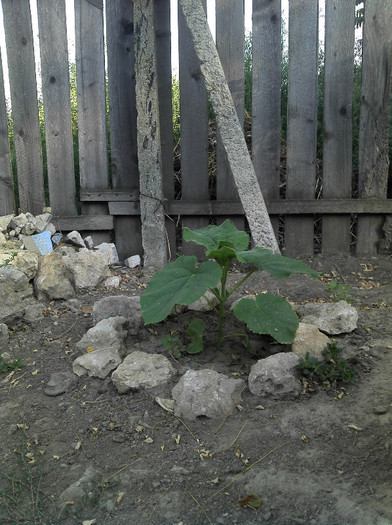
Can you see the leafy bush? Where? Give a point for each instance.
(332, 368)
(184, 282)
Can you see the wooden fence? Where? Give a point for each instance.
(109, 184)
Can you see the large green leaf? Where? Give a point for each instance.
(268, 314)
(179, 282)
(195, 330)
(212, 237)
(274, 263)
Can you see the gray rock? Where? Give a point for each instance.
(133, 261)
(109, 250)
(75, 238)
(78, 491)
(34, 312)
(142, 370)
(26, 262)
(3, 240)
(60, 382)
(276, 377)
(332, 318)
(128, 307)
(205, 303)
(108, 335)
(53, 280)
(5, 222)
(89, 243)
(112, 282)
(205, 393)
(308, 338)
(88, 268)
(14, 290)
(42, 222)
(98, 363)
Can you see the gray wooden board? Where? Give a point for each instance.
(6, 187)
(194, 130)
(374, 120)
(122, 112)
(148, 137)
(90, 74)
(301, 120)
(84, 223)
(338, 102)
(230, 34)
(229, 127)
(164, 71)
(266, 79)
(21, 69)
(57, 107)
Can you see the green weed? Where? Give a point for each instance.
(332, 368)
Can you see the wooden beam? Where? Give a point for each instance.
(84, 223)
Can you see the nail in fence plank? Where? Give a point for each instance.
(230, 35)
(57, 107)
(21, 67)
(338, 103)
(194, 130)
(374, 120)
(149, 141)
(122, 112)
(6, 186)
(229, 126)
(302, 120)
(90, 73)
(266, 79)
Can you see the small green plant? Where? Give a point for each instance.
(9, 260)
(339, 291)
(333, 368)
(195, 331)
(8, 366)
(184, 282)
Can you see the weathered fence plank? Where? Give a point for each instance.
(194, 129)
(148, 137)
(374, 121)
(57, 107)
(266, 79)
(164, 72)
(302, 120)
(21, 69)
(6, 187)
(122, 112)
(229, 127)
(230, 34)
(338, 102)
(90, 74)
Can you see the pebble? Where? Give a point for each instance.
(381, 409)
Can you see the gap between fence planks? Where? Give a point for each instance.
(230, 129)
(148, 137)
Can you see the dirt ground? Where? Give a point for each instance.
(325, 458)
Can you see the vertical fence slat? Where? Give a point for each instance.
(230, 35)
(21, 66)
(301, 120)
(163, 52)
(90, 75)
(6, 187)
(194, 129)
(374, 120)
(57, 106)
(338, 101)
(266, 78)
(122, 111)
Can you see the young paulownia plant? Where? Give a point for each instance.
(184, 281)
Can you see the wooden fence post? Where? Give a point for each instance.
(374, 120)
(21, 66)
(6, 188)
(148, 137)
(338, 103)
(229, 126)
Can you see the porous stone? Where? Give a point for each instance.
(128, 307)
(109, 250)
(275, 377)
(42, 222)
(14, 290)
(54, 279)
(205, 303)
(60, 382)
(112, 282)
(34, 312)
(5, 222)
(309, 339)
(75, 238)
(331, 318)
(26, 262)
(142, 370)
(87, 267)
(79, 490)
(205, 393)
(3, 240)
(108, 334)
(98, 363)
(133, 261)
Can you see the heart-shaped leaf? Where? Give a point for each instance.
(268, 314)
(179, 282)
(212, 237)
(195, 330)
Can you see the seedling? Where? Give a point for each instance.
(339, 291)
(184, 282)
(195, 331)
(7, 366)
(333, 367)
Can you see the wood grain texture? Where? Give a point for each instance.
(6, 186)
(57, 107)
(338, 103)
(23, 84)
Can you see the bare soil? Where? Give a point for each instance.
(324, 458)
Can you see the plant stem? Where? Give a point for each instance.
(222, 300)
(241, 282)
